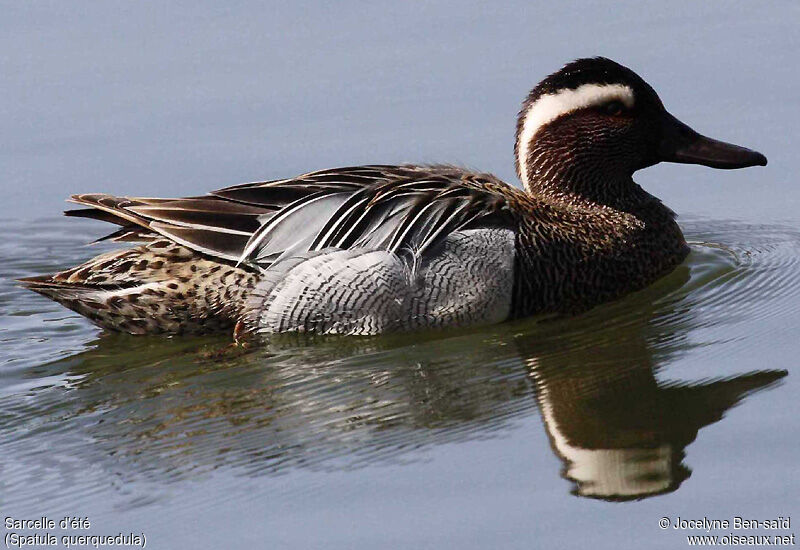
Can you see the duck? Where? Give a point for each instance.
(367, 250)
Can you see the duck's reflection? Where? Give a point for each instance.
(620, 432)
(618, 429)
(155, 410)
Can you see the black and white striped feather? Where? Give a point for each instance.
(406, 210)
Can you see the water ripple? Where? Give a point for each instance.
(132, 416)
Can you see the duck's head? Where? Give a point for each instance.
(585, 129)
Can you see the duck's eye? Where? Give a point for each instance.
(614, 108)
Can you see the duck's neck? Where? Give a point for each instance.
(583, 181)
(573, 189)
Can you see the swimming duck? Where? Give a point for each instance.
(373, 249)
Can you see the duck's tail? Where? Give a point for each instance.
(158, 287)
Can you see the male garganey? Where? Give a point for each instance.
(372, 249)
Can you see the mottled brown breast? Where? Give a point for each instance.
(569, 259)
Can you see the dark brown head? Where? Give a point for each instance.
(589, 126)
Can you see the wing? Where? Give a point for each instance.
(403, 209)
(221, 223)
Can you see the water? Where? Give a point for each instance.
(117, 426)
(675, 401)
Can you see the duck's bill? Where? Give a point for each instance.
(682, 144)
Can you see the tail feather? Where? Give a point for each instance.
(210, 225)
(110, 209)
(113, 208)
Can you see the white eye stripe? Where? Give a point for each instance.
(549, 107)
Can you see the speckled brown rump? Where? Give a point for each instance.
(160, 287)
